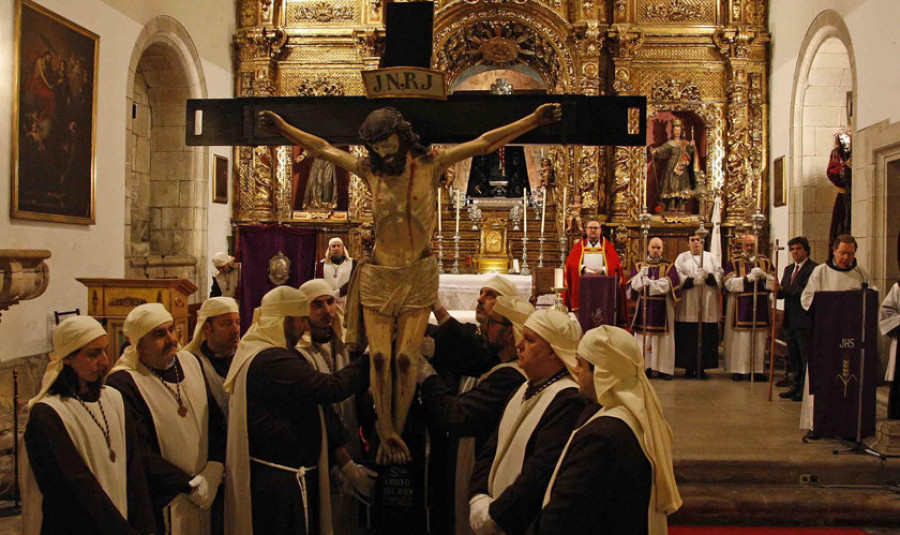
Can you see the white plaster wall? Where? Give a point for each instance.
(98, 250)
(876, 53)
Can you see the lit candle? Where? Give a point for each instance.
(524, 213)
(759, 195)
(458, 192)
(558, 278)
(439, 209)
(543, 208)
(645, 192)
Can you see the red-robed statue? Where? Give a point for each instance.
(840, 174)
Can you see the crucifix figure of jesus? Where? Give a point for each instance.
(398, 288)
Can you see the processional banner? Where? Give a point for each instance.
(837, 348)
(596, 301)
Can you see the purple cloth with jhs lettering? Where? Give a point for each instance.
(597, 301)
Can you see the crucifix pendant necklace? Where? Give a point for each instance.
(176, 393)
(104, 428)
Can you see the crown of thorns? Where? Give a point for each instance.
(380, 124)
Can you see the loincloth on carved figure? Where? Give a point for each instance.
(391, 291)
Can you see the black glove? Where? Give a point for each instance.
(711, 279)
(687, 284)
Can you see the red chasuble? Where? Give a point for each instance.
(573, 273)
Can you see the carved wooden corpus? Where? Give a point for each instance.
(23, 275)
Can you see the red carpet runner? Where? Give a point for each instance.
(724, 530)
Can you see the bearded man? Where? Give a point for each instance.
(397, 290)
(215, 340)
(282, 432)
(83, 468)
(336, 269)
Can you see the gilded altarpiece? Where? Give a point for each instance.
(706, 59)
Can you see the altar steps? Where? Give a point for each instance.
(740, 460)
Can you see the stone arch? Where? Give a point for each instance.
(166, 182)
(825, 73)
(464, 33)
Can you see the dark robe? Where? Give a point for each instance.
(841, 175)
(461, 350)
(517, 507)
(452, 416)
(73, 501)
(167, 480)
(686, 345)
(283, 397)
(603, 484)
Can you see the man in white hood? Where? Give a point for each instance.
(227, 277)
(615, 474)
(282, 433)
(215, 340)
(83, 468)
(336, 269)
(513, 469)
(176, 415)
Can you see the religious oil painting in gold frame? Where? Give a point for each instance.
(220, 179)
(779, 196)
(54, 115)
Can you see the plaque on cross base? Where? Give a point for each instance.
(399, 494)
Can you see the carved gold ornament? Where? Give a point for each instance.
(279, 269)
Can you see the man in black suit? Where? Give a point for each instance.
(796, 320)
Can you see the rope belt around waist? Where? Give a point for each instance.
(300, 474)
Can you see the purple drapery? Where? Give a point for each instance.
(259, 243)
(596, 301)
(834, 362)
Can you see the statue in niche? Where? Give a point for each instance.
(502, 173)
(840, 173)
(675, 162)
(318, 183)
(321, 188)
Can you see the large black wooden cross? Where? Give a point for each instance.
(586, 120)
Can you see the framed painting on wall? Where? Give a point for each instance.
(778, 181)
(54, 116)
(220, 179)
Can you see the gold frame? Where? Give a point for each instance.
(220, 165)
(16, 211)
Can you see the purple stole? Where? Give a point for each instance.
(742, 319)
(656, 304)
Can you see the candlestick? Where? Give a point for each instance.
(558, 278)
(759, 195)
(440, 243)
(439, 209)
(543, 208)
(457, 210)
(524, 214)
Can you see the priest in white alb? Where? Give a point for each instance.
(699, 311)
(838, 273)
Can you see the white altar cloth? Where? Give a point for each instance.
(460, 292)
